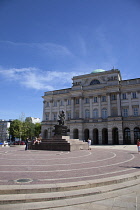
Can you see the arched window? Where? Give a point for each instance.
(86, 134)
(95, 113)
(87, 114)
(136, 134)
(104, 136)
(95, 82)
(75, 134)
(104, 113)
(95, 136)
(115, 136)
(127, 136)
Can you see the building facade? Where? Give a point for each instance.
(100, 106)
(33, 119)
(4, 133)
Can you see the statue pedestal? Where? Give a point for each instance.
(61, 130)
(60, 143)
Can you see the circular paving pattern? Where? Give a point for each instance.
(18, 166)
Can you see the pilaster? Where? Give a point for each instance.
(44, 116)
(118, 104)
(50, 116)
(108, 101)
(99, 97)
(72, 108)
(130, 104)
(91, 108)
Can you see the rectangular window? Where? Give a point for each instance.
(77, 101)
(124, 96)
(68, 102)
(104, 113)
(95, 99)
(103, 98)
(61, 103)
(47, 116)
(134, 95)
(87, 114)
(69, 115)
(113, 97)
(77, 114)
(47, 104)
(54, 116)
(125, 113)
(95, 113)
(87, 100)
(55, 103)
(135, 111)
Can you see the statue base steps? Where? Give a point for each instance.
(60, 143)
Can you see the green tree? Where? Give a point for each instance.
(37, 129)
(23, 129)
(29, 129)
(15, 129)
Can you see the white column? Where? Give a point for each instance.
(80, 107)
(50, 116)
(72, 108)
(65, 107)
(132, 135)
(130, 104)
(58, 108)
(44, 116)
(91, 108)
(100, 135)
(91, 134)
(109, 135)
(139, 102)
(109, 109)
(118, 104)
(99, 106)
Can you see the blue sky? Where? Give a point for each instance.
(44, 43)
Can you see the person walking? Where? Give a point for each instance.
(89, 144)
(26, 144)
(138, 145)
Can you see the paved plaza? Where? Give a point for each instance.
(101, 164)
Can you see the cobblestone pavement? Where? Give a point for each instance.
(48, 167)
(45, 167)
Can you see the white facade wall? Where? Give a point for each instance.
(96, 108)
(33, 119)
(4, 133)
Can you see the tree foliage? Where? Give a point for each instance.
(23, 129)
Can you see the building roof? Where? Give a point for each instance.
(97, 71)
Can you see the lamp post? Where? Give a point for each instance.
(20, 135)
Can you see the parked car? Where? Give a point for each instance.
(5, 143)
(19, 143)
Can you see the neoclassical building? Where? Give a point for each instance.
(100, 106)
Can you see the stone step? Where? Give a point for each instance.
(60, 187)
(61, 199)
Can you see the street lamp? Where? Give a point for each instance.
(20, 135)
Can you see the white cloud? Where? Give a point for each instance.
(47, 47)
(38, 79)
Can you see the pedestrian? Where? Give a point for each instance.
(138, 145)
(26, 144)
(89, 144)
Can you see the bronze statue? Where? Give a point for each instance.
(61, 118)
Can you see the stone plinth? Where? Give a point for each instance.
(60, 143)
(60, 130)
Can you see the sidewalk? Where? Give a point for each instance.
(124, 199)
